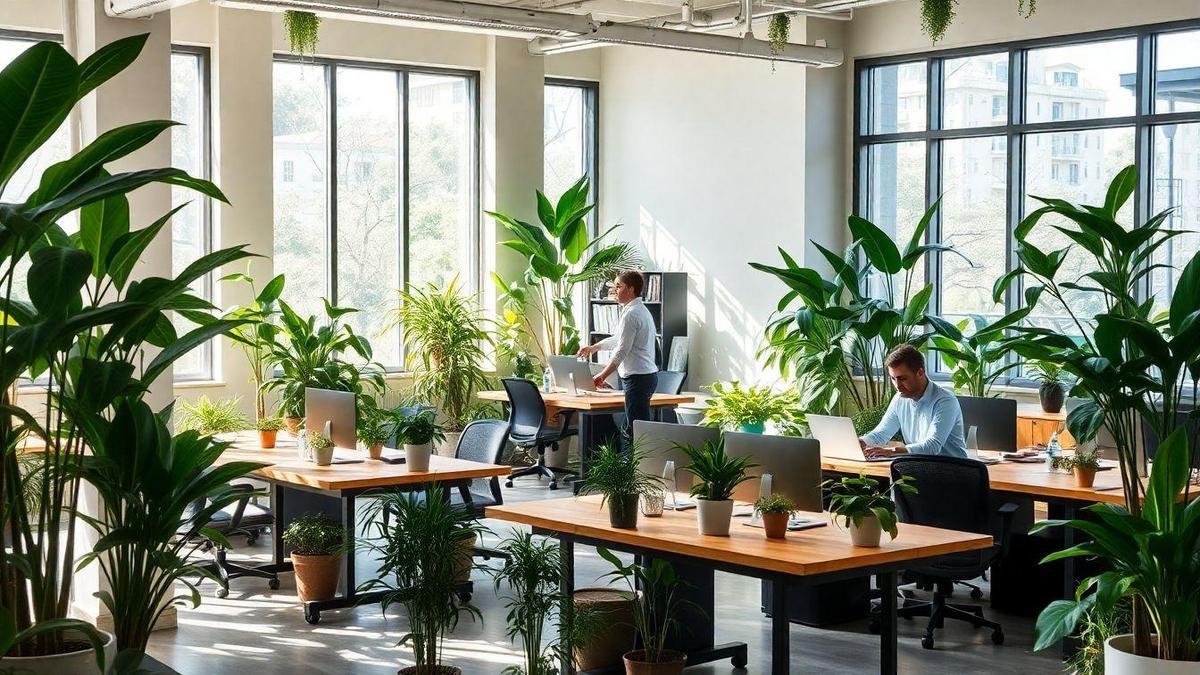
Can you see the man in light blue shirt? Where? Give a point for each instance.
(927, 416)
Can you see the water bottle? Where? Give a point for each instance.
(1053, 450)
(546, 386)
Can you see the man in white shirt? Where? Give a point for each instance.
(927, 416)
(632, 349)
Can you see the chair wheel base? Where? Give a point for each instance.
(976, 594)
(313, 617)
(222, 593)
(508, 483)
(553, 485)
(273, 584)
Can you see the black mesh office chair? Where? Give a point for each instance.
(241, 518)
(483, 441)
(527, 429)
(952, 493)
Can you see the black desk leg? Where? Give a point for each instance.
(886, 581)
(348, 517)
(781, 628)
(277, 547)
(566, 584)
(1069, 644)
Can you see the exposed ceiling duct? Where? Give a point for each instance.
(136, 9)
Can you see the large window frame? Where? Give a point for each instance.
(402, 72)
(591, 136)
(1016, 130)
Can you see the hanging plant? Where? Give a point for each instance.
(1026, 8)
(302, 31)
(778, 27)
(936, 16)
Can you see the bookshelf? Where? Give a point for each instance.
(666, 299)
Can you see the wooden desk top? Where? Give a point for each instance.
(816, 551)
(1031, 479)
(1034, 411)
(613, 401)
(287, 467)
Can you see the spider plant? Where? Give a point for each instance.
(209, 417)
(617, 475)
(717, 473)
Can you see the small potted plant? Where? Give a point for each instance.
(775, 511)
(268, 430)
(618, 477)
(320, 447)
(1052, 384)
(748, 409)
(316, 542)
(211, 418)
(419, 432)
(1082, 463)
(717, 474)
(374, 430)
(293, 419)
(653, 590)
(864, 508)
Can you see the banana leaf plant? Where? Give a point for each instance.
(561, 254)
(845, 325)
(256, 337)
(98, 335)
(1133, 362)
(978, 358)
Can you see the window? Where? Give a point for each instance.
(570, 138)
(191, 227)
(395, 150)
(1081, 119)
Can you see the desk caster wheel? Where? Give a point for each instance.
(273, 584)
(222, 593)
(739, 660)
(997, 637)
(976, 594)
(312, 617)
(508, 483)
(927, 642)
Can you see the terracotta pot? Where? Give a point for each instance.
(605, 649)
(623, 512)
(431, 670)
(1085, 476)
(1119, 659)
(375, 450)
(266, 439)
(673, 666)
(867, 533)
(316, 575)
(293, 424)
(713, 517)
(775, 525)
(79, 662)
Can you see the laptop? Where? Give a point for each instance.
(575, 376)
(838, 438)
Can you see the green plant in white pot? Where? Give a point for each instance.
(418, 432)
(866, 509)
(748, 409)
(717, 474)
(320, 447)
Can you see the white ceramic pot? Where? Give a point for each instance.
(867, 533)
(447, 447)
(75, 663)
(558, 459)
(416, 457)
(323, 456)
(1119, 659)
(713, 517)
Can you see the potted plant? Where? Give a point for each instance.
(1082, 463)
(445, 337)
(617, 476)
(293, 419)
(717, 474)
(420, 564)
(85, 326)
(1052, 384)
(418, 432)
(976, 352)
(256, 336)
(315, 543)
(320, 447)
(268, 430)
(775, 511)
(866, 509)
(208, 417)
(748, 409)
(375, 429)
(655, 613)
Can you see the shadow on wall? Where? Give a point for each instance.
(724, 335)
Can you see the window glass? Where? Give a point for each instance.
(896, 199)
(1177, 81)
(976, 91)
(974, 175)
(1080, 82)
(1176, 184)
(564, 136)
(897, 96)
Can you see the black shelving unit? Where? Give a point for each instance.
(666, 298)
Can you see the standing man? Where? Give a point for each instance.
(927, 416)
(632, 349)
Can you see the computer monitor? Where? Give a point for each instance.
(659, 440)
(994, 419)
(794, 464)
(336, 408)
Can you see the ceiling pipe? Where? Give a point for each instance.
(139, 9)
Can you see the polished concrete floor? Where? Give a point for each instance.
(256, 630)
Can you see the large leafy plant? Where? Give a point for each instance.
(256, 337)
(101, 338)
(733, 406)
(1133, 363)
(851, 499)
(654, 589)
(561, 254)
(977, 352)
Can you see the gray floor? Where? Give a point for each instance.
(259, 631)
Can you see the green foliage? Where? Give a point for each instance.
(419, 429)
(733, 406)
(778, 27)
(617, 474)
(717, 472)
(375, 426)
(1047, 372)
(1084, 459)
(317, 440)
(653, 590)
(302, 31)
(511, 332)
(311, 356)
(978, 358)
(775, 503)
(87, 325)
(866, 420)
(421, 554)
(256, 337)
(315, 534)
(561, 253)
(209, 417)
(936, 16)
(445, 335)
(269, 424)
(1095, 629)
(852, 499)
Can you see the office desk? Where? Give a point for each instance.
(299, 487)
(817, 555)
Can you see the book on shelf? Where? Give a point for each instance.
(605, 318)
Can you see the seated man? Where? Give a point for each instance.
(926, 415)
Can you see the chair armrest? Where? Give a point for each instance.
(565, 416)
(1006, 512)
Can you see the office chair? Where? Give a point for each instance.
(241, 518)
(527, 429)
(952, 493)
(408, 411)
(483, 441)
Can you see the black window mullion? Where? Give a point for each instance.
(934, 113)
(402, 194)
(332, 179)
(1143, 193)
(1015, 190)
